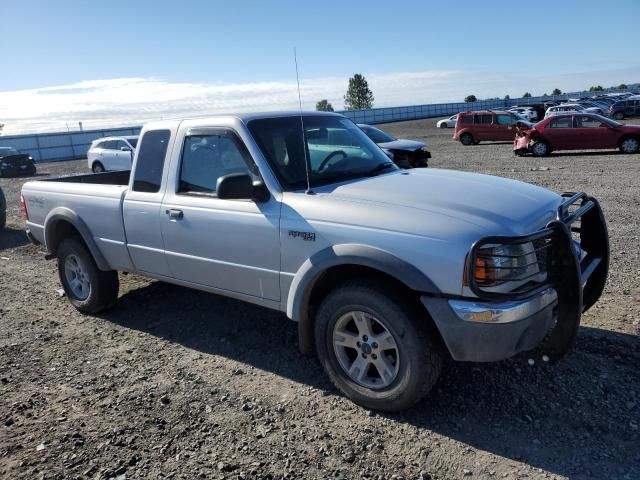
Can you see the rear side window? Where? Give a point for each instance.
(153, 150)
(483, 119)
(466, 119)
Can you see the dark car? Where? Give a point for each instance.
(577, 131)
(13, 163)
(3, 210)
(404, 153)
(625, 108)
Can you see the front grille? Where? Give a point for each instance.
(542, 247)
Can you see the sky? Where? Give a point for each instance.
(127, 62)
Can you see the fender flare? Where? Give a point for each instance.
(65, 214)
(345, 254)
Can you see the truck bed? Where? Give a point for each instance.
(107, 178)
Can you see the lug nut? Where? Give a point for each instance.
(374, 345)
(364, 355)
(365, 338)
(358, 344)
(374, 356)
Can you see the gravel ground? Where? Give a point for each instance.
(175, 383)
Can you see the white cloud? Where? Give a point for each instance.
(134, 101)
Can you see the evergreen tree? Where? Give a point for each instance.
(324, 106)
(470, 98)
(359, 96)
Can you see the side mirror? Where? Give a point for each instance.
(240, 186)
(125, 149)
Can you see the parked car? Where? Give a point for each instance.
(387, 272)
(447, 122)
(488, 125)
(3, 210)
(569, 108)
(595, 106)
(404, 153)
(13, 163)
(625, 108)
(527, 112)
(111, 153)
(576, 132)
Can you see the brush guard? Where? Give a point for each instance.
(577, 276)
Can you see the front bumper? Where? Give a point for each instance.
(500, 330)
(16, 171)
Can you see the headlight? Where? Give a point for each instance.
(508, 265)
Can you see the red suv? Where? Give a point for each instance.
(582, 131)
(475, 127)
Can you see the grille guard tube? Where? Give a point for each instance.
(578, 284)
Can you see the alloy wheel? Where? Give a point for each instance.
(77, 277)
(629, 145)
(366, 350)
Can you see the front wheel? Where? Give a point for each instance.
(375, 349)
(88, 288)
(466, 139)
(540, 149)
(618, 116)
(444, 125)
(97, 167)
(629, 145)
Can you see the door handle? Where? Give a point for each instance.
(174, 213)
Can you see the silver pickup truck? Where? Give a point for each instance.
(387, 272)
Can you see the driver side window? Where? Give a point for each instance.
(206, 158)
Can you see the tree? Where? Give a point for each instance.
(597, 88)
(470, 98)
(622, 86)
(556, 91)
(359, 96)
(526, 95)
(1, 127)
(507, 97)
(324, 106)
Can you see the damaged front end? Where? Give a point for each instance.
(418, 158)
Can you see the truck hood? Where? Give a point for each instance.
(431, 201)
(400, 144)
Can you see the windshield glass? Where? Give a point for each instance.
(378, 136)
(5, 152)
(336, 148)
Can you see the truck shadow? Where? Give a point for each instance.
(552, 418)
(10, 238)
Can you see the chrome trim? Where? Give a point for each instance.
(503, 312)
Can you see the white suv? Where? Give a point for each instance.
(111, 153)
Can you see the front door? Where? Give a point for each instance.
(123, 155)
(505, 126)
(231, 245)
(560, 133)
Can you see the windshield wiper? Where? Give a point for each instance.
(379, 168)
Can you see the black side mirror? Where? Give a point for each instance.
(125, 149)
(240, 186)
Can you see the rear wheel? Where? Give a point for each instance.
(629, 145)
(540, 149)
(97, 167)
(88, 288)
(375, 349)
(618, 115)
(466, 139)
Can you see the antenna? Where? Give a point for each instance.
(304, 146)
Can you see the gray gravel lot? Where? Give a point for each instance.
(175, 383)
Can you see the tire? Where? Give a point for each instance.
(88, 288)
(466, 139)
(97, 167)
(444, 125)
(413, 359)
(540, 149)
(3, 211)
(618, 115)
(629, 145)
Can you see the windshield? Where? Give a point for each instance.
(377, 135)
(336, 148)
(5, 152)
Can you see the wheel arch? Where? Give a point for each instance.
(62, 222)
(623, 137)
(339, 263)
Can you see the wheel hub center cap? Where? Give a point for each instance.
(366, 348)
